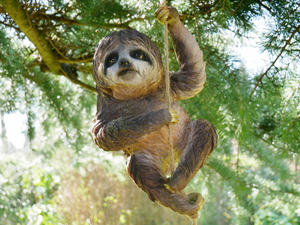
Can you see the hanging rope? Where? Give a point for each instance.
(167, 83)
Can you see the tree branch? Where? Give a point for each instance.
(22, 19)
(10, 25)
(2, 10)
(125, 25)
(273, 63)
(263, 5)
(79, 60)
(293, 123)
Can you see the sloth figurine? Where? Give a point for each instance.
(132, 113)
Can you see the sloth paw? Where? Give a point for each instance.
(174, 115)
(197, 200)
(167, 13)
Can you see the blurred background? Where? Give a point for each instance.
(51, 172)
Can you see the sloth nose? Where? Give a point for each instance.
(124, 62)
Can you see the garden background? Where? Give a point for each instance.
(57, 175)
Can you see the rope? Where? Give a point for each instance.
(167, 83)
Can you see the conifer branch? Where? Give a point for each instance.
(264, 6)
(267, 142)
(78, 60)
(9, 25)
(19, 15)
(22, 19)
(273, 63)
(67, 21)
(293, 123)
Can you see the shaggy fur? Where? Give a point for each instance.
(132, 113)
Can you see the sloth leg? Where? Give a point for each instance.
(143, 168)
(202, 141)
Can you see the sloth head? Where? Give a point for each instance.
(127, 64)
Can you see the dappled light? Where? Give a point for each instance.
(51, 171)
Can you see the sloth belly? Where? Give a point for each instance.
(157, 144)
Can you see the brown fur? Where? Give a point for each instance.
(136, 122)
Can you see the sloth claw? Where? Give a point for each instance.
(167, 13)
(174, 115)
(196, 199)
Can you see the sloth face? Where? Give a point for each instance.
(127, 65)
(129, 71)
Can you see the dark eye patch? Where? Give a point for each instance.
(141, 55)
(111, 59)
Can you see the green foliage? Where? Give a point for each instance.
(27, 188)
(251, 178)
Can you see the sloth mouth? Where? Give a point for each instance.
(126, 72)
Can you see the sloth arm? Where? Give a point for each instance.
(114, 134)
(189, 80)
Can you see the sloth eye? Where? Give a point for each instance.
(112, 60)
(139, 55)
